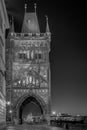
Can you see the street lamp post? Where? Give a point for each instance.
(9, 103)
(10, 108)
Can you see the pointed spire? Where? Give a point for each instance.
(9, 32)
(12, 26)
(47, 25)
(25, 8)
(35, 7)
(11, 29)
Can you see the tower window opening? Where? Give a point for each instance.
(22, 56)
(38, 55)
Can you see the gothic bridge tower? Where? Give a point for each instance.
(28, 67)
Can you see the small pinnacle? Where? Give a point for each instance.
(46, 17)
(25, 7)
(35, 6)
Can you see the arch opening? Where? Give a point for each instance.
(30, 106)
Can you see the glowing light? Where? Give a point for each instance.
(53, 112)
(10, 111)
(30, 79)
(19, 81)
(8, 103)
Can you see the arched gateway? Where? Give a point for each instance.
(28, 69)
(25, 100)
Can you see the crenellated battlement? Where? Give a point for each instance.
(38, 36)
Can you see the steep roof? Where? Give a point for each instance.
(30, 23)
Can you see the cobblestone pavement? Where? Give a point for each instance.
(32, 127)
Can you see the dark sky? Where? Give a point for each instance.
(68, 55)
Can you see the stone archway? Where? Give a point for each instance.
(30, 98)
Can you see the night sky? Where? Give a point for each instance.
(68, 54)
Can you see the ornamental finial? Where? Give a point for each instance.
(25, 7)
(35, 6)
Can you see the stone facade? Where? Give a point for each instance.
(28, 66)
(3, 26)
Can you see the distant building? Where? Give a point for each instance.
(4, 24)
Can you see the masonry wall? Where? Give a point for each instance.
(3, 26)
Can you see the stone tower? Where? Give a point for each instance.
(28, 67)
